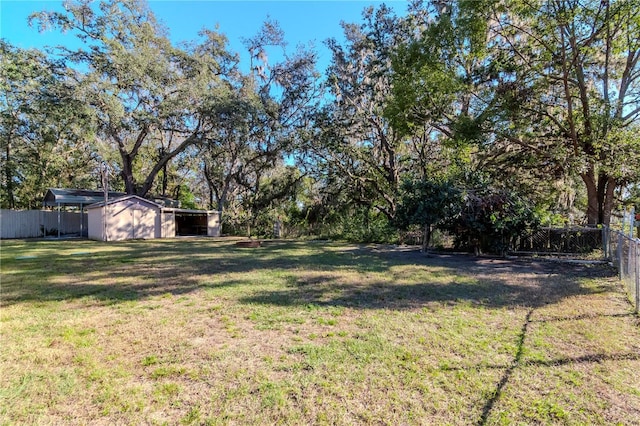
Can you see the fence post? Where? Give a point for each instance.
(619, 254)
(637, 269)
(631, 263)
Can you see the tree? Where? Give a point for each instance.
(568, 87)
(490, 218)
(542, 89)
(356, 141)
(427, 203)
(147, 95)
(45, 133)
(261, 121)
(439, 74)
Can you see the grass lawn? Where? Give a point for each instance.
(199, 331)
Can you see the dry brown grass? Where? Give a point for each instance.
(200, 331)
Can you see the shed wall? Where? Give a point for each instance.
(129, 218)
(132, 219)
(168, 224)
(96, 227)
(213, 224)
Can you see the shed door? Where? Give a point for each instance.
(142, 223)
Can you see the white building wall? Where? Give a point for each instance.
(135, 218)
(213, 224)
(168, 224)
(129, 218)
(96, 225)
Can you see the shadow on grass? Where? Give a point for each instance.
(480, 281)
(124, 271)
(518, 362)
(486, 410)
(311, 273)
(135, 270)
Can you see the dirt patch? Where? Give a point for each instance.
(249, 244)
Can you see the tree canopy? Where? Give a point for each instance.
(540, 98)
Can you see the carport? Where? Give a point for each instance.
(78, 198)
(191, 222)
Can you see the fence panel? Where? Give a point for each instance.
(625, 255)
(575, 241)
(41, 223)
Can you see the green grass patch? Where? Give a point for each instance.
(199, 331)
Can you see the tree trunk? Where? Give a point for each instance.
(600, 197)
(127, 173)
(129, 183)
(426, 238)
(11, 203)
(609, 194)
(165, 180)
(593, 204)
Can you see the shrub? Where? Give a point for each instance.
(490, 219)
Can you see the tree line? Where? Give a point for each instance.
(485, 115)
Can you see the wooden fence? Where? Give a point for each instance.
(41, 223)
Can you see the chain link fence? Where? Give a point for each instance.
(580, 242)
(624, 252)
(618, 247)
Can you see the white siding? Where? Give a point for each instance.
(213, 224)
(132, 218)
(96, 225)
(168, 224)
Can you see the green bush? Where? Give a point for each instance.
(490, 219)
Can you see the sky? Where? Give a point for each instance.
(302, 21)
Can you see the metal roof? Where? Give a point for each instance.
(151, 203)
(75, 197)
(123, 198)
(86, 197)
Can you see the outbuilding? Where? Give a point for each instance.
(76, 200)
(124, 218)
(133, 217)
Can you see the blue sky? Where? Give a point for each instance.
(302, 21)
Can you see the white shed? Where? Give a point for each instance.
(132, 217)
(124, 218)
